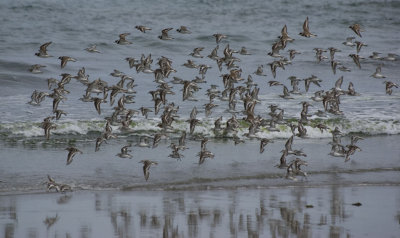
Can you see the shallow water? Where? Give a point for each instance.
(26, 164)
(236, 172)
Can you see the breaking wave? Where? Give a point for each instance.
(204, 128)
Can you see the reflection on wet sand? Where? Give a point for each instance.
(275, 212)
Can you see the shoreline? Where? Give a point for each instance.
(203, 188)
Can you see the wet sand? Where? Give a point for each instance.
(324, 211)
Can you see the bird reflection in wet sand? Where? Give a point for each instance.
(50, 221)
(64, 199)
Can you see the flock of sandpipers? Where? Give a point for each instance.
(235, 89)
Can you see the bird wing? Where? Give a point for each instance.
(70, 157)
(146, 171)
(165, 31)
(288, 144)
(305, 25)
(44, 46)
(339, 82)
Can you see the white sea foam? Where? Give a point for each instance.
(205, 128)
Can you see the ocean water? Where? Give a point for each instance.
(27, 157)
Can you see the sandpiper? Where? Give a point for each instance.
(164, 34)
(183, 30)
(349, 41)
(219, 37)
(263, 143)
(375, 56)
(196, 52)
(92, 49)
(259, 71)
(282, 161)
(378, 73)
(122, 39)
(285, 36)
(359, 44)
(357, 29)
(292, 53)
(334, 65)
(100, 141)
(391, 57)
(332, 51)
(175, 152)
(43, 50)
(156, 139)
(47, 126)
(344, 69)
(274, 83)
(313, 79)
(36, 68)
(243, 51)
(72, 151)
(389, 86)
(306, 30)
(145, 111)
(351, 150)
(59, 113)
(351, 91)
(143, 28)
(203, 155)
(65, 59)
(214, 53)
(143, 142)
(97, 102)
(321, 127)
(124, 152)
(294, 169)
(286, 94)
(146, 167)
(190, 64)
(356, 58)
